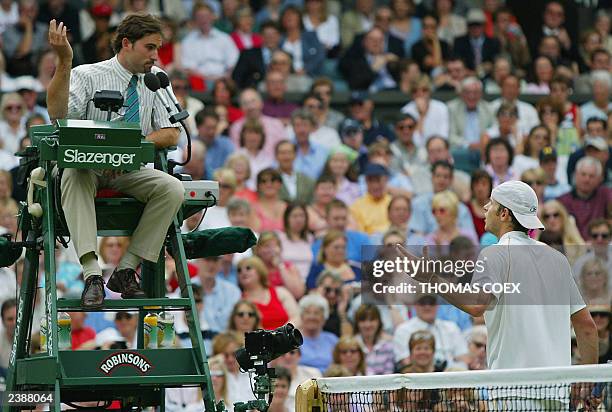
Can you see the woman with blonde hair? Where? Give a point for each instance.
(594, 282)
(348, 353)
(332, 256)
(217, 217)
(240, 164)
(557, 221)
(536, 178)
(12, 112)
(275, 303)
(445, 209)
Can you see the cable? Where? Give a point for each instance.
(174, 162)
(203, 214)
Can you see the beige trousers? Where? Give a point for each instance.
(161, 193)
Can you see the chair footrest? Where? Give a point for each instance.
(74, 305)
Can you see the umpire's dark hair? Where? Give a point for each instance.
(135, 27)
(8, 304)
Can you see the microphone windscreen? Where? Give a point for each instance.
(217, 242)
(164, 81)
(9, 253)
(152, 82)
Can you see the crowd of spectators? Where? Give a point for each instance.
(529, 85)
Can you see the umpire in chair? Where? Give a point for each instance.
(69, 94)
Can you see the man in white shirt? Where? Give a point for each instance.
(206, 50)
(524, 330)
(451, 347)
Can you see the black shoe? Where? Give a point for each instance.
(124, 281)
(93, 294)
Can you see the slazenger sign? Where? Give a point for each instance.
(91, 157)
(119, 359)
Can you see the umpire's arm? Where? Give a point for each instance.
(586, 336)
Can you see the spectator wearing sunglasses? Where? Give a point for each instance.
(349, 354)
(599, 246)
(445, 209)
(477, 346)
(330, 286)
(601, 316)
(557, 221)
(245, 318)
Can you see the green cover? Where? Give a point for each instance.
(8, 252)
(217, 242)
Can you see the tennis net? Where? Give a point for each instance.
(539, 389)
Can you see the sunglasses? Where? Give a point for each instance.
(549, 215)
(405, 126)
(347, 351)
(603, 236)
(438, 210)
(245, 268)
(479, 345)
(225, 186)
(602, 314)
(13, 108)
(245, 314)
(328, 290)
(533, 182)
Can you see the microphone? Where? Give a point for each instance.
(152, 83)
(164, 83)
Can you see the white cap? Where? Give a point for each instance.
(597, 142)
(520, 198)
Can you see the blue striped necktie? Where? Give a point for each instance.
(131, 102)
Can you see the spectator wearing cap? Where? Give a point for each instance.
(370, 210)
(599, 247)
(451, 346)
(510, 90)
(351, 134)
(324, 88)
(595, 145)
(361, 109)
(22, 42)
(28, 87)
(588, 199)
(311, 157)
(297, 187)
(372, 69)
(470, 116)
(220, 295)
(477, 49)
(211, 53)
(554, 186)
(406, 154)
(252, 106)
(399, 183)
(275, 104)
(422, 220)
(97, 46)
(600, 104)
(431, 114)
(218, 147)
(253, 63)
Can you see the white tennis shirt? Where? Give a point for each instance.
(537, 331)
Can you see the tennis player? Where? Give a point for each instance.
(536, 332)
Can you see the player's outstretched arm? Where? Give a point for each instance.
(57, 92)
(586, 336)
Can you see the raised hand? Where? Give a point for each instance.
(58, 40)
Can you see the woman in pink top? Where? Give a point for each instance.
(269, 208)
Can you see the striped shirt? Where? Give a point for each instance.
(86, 79)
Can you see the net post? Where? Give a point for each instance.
(308, 397)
